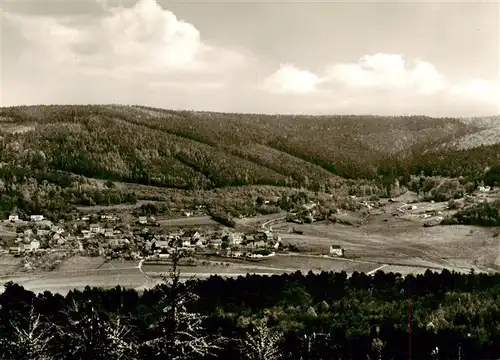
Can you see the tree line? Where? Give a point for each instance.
(290, 316)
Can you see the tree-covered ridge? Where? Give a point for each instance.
(202, 150)
(290, 316)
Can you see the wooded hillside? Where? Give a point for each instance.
(201, 150)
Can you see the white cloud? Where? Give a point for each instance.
(144, 38)
(145, 54)
(385, 84)
(289, 79)
(388, 71)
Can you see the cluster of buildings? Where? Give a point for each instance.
(227, 243)
(37, 235)
(106, 235)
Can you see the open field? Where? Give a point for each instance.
(306, 263)
(78, 263)
(8, 265)
(187, 221)
(391, 239)
(127, 274)
(117, 265)
(7, 232)
(62, 282)
(403, 242)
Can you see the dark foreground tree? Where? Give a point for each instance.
(177, 332)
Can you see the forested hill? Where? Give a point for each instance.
(185, 149)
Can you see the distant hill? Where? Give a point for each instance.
(202, 150)
(488, 133)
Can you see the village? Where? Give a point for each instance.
(310, 228)
(105, 235)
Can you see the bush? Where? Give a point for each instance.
(483, 214)
(453, 204)
(223, 218)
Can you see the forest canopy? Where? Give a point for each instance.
(289, 316)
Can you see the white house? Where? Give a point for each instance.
(309, 206)
(34, 245)
(235, 238)
(108, 233)
(200, 242)
(36, 217)
(484, 189)
(109, 217)
(216, 243)
(143, 220)
(336, 250)
(13, 218)
(95, 228)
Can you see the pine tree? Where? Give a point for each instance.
(179, 333)
(31, 338)
(262, 343)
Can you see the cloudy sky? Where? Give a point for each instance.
(438, 58)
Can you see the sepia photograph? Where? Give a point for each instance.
(249, 179)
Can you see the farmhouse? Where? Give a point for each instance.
(34, 245)
(277, 243)
(268, 235)
(309, 206)
(216, 243)
(200, 242)
(109, 233)
(336, 250)
(186, 241)
(192, 234)
(161, 245)
(13, 218)
(109, 217)
(249, 238)
(235, 238)
(15, 250)
(36, 217)
(95, 228)
(256, 244)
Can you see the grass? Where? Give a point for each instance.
(79, 263)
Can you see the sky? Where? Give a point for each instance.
(386, 58)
